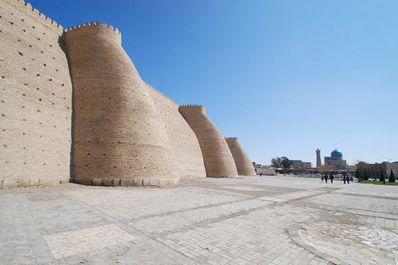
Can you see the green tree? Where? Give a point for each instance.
(357, 175)
(365, 175)
(391, 178)
(286, 163)
(382, 178)
(276, 162)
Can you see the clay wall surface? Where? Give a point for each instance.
(216, 154)
(119, 136)
(122, 131)
(242, 160)
(186, 150)
(35, 99)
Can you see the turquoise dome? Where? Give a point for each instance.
(336, 154)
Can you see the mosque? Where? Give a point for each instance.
(333, 162)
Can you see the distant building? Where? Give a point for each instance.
(373, 170)
(335, 161)
(352, 168)
(263, 170)
(318, 158)
(299, 164)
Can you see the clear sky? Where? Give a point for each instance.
(285, 76)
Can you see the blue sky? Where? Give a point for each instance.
(285, 76)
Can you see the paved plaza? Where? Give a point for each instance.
(246, 220)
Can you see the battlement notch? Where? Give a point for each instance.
(192, 108)
(28, 8)
(90, 28)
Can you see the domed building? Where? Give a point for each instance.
(336, 154)
(333, 162)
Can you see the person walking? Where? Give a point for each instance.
(326, 178)
(348, 179)
(331, 178)
(344, 178)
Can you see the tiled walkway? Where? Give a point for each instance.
(248, 220)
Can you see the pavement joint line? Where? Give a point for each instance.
(230, 226)
(186, 210)
(46, 243)
(369, 196)
(126, 223)
(169, 213)
(351, 208)
(265, 188)
(342, 209)
(129, 223)
(304, 197)
(217, 219)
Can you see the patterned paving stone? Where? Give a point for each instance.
(245, 220)
(84, 240)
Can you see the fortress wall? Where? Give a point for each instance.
(119, 135)
(35, 99)
(185, 145)
(242, 160)
(216, 154)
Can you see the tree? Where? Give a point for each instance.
(365, 175)
(286, 163)
(391, 178)
(357, 175)
(276, 162)
(382, 177)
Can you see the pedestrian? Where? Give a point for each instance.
(331, 178)
(322, 177)
(348, 179)
(344, 178)
(326, 178)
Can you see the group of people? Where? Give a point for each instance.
(346, 178)
(326, 177)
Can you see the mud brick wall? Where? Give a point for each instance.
(72, 105)
(186, 150)
(35, 98)
(216, 154)
(242, 160)
(119, 136)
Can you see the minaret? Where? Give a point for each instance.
(318, 158)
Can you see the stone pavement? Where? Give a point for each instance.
(246, 220)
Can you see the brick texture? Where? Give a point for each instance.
(118, 131)
(73, 106)
(242, 160)
(216, 154)
(35, 99)
(185, 145)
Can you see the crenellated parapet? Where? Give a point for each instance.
(119, 135)
(86, 29)
(36, 99)
(242, 160)
(157, 91)
(74, 94)
(91, 25)
(216, 154)
(28, 8)
(192, 108)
